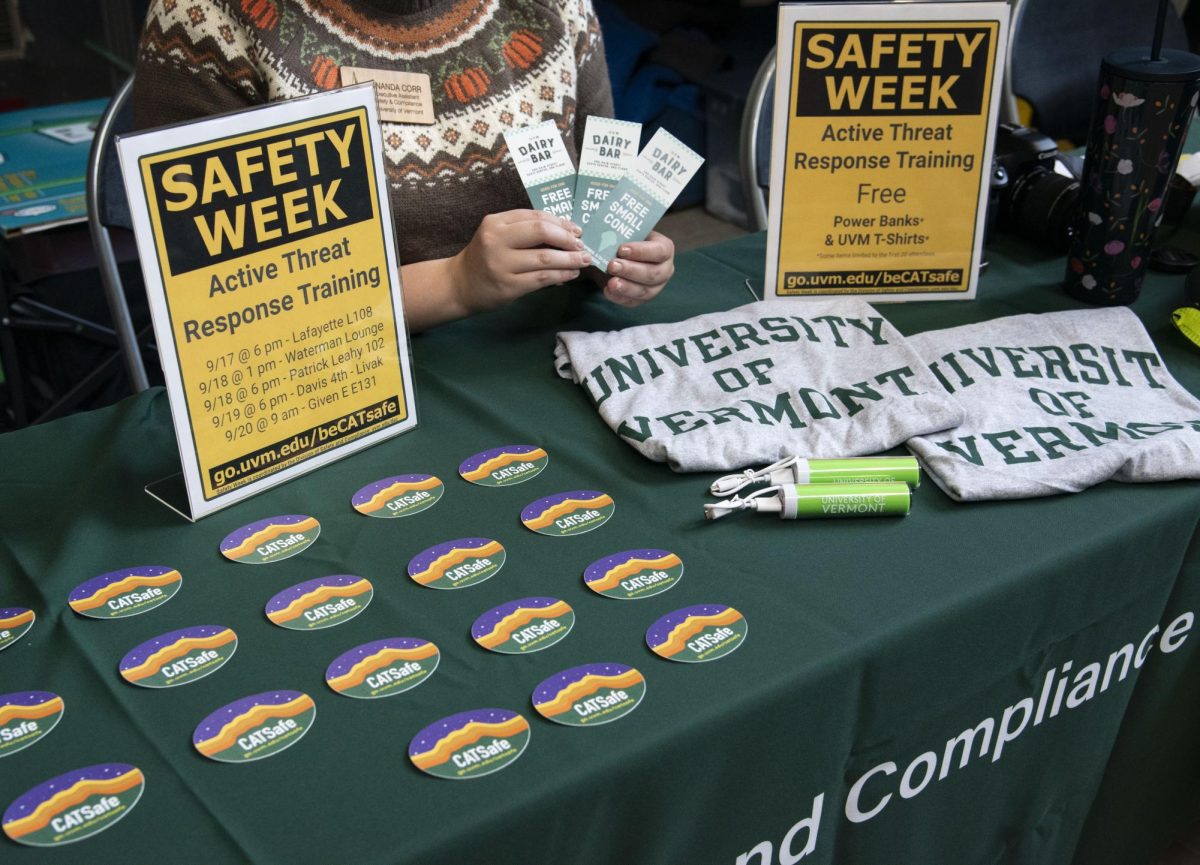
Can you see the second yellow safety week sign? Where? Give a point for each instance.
(884, 121)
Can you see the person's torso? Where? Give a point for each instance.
(493, 65)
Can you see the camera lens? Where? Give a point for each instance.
(1041, 204)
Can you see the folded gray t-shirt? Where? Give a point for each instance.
(748, 386)
(1056, 403)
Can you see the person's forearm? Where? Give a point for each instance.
(432, 293)
(511, 253)
(519, 251)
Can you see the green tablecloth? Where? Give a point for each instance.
(871, 643)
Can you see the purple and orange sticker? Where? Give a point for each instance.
(504, 466)
(470, 744)
(320, 603)
(590, 695)
(15, 623)
(571, 513)
(179, 657)
(27, 716)
(457, 564)
(383, 668)
(634, 574)
(398, 496)
(255, 727)
(524, 626)
(271, 540)
(74, 806)
(128, 592)
(696, 634)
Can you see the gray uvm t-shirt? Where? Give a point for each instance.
(1056, 403)
(748, 386)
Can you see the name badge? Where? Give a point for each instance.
(404, 97)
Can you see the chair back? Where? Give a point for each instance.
(114, 206)
(107, 208)
(754, 151)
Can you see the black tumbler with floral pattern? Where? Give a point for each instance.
(1139, 124)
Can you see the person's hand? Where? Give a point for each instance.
(640, 270)
(514, 253)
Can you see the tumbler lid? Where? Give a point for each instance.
(1136, 63)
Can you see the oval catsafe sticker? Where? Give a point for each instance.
(270, 540)
(179, 657)
(255, 727)
(457, 564)
(470, 744)
(590, 695)
(74, 806)
(572, 513)
(524, 626)
(15, 623)
(399, 496)
(634, 574)
(383, 668)
(320, 603)
(129, 592)
(694, 634)
(25, 717)
(504, 466)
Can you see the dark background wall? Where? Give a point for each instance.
(72, 44)
(65, 44)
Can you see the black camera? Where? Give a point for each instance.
(1039, 198)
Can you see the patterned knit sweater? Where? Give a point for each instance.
(494, 65)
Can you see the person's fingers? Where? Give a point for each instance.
(523, 214)
(646, 274)
(632, 290)
(650, 262)
(509, 217)
(619, 294)
(545, 230)
(656, 248)
(535, 279)
(518, 261)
